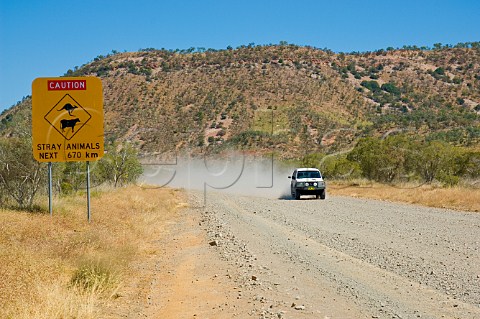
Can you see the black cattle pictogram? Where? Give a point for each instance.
(69, 123)
(69, 108)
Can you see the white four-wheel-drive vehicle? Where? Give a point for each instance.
(307, 181)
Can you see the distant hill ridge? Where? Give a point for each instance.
(285, 99)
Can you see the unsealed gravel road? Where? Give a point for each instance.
(345, 257)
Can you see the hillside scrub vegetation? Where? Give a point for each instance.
(167, 101)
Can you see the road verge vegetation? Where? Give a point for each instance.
(64, 267)
(22, 179)
(457, 197)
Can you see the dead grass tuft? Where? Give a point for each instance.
(96, 276)
(63, 267)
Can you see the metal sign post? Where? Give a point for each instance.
(88, 191)
(50, 209)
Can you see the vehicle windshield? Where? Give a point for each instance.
(308, 174)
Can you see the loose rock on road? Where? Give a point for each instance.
(346, 257)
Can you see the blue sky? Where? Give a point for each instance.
(46, 38)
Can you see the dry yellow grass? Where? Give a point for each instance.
(457, 198)
(41, 254)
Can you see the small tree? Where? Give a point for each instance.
(73, 177)
(120, 164)
(311, 160)
(366, 154)
(339, 167)
(381, 160)
(440, 160)
(20, 175)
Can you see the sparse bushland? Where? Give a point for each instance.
(399, 159)
(63, 267)
(401, 168)
(22, 178)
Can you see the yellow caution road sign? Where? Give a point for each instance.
(67, 119)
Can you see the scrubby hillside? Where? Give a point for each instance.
(285, 99)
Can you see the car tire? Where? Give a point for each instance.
(297, 195)
(322, 194)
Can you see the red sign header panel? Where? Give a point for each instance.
(66, 85)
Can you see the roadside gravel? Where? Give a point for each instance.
(345, 257)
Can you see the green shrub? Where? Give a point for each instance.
(311, 160)
(371, 85)
(339, 167)
(448, 180)
(391, 88)
(120, 164)
(439, 71)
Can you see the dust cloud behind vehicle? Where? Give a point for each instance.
(235, 174)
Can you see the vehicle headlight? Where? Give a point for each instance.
(306, 184)
(315, 184)
(300, 184)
